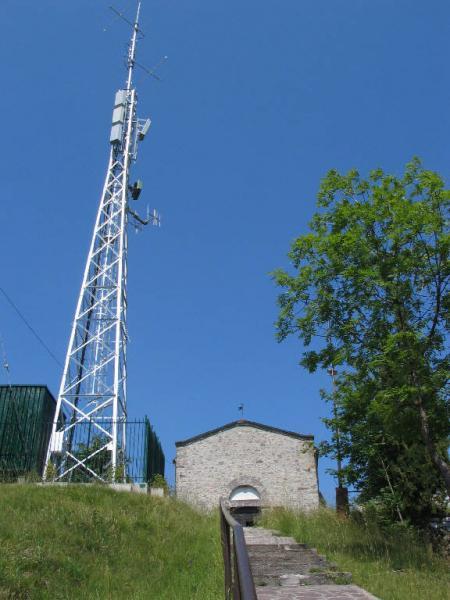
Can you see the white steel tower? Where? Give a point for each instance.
(88, 438)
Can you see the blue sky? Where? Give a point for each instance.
(259, 100)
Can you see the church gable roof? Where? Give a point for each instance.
(244, 423)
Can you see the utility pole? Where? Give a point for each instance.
(341, 491)
(92, 399)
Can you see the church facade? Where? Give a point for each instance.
(251, 465)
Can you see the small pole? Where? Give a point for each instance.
(5, 363)
(241, 410)
(341, 491)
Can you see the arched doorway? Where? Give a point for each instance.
(245, 504)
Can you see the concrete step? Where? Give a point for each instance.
(286, 570)
(259, 536)
(295, 552)
(293, 579)
(313, 592)
(278, 563)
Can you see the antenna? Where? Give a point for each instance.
(132, 60)
(151, 71)
(132, 47)
(88, 440)
(123, 17)
(154, 218)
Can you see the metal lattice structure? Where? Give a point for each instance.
(92, 394)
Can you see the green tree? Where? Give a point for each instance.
(369, 292)
(99, 463)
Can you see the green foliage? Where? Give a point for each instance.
(84, 541)
(393, 564)
(33, 477)
(51, 472)
(119, 474)
(369, 293)
(158, 481)
(100, 463)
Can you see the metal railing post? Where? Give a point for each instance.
(226, 550)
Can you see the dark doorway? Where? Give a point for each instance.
(246, 515)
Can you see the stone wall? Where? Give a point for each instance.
(281, 467)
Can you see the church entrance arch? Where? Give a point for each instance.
(245, 504)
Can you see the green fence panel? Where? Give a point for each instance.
(26, 413)
(154, 460)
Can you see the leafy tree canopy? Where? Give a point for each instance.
(369, 292)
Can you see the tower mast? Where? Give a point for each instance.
(88, 440)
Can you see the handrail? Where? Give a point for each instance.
(239, 584)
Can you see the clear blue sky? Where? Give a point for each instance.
(259, 100)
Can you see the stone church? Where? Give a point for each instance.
(251, 465)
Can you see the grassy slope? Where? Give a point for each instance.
(96, 543)
(392, 567)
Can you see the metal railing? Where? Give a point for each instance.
(239, 584)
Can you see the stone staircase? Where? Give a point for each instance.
(284, 569)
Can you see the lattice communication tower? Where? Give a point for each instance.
(88, 437)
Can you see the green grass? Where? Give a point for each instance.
(91, 542)
(392, 566)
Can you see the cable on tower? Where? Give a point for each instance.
(33, 331)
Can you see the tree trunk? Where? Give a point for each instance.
(440, 463)
(388, 479)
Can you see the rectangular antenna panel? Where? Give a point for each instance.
(116, 134)
(121, 98)
(118, 114)
(144, 129)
